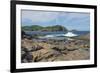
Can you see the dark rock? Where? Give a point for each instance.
(29, 57)
(57, 49)
(25, 50)
(24, 61)
(35, 48)
(26, 56)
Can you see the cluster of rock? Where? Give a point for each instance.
(34, 51)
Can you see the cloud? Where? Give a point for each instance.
(39, 16)
(70, 20)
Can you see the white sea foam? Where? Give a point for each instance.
(70, 34)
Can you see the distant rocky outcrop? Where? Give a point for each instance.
(83, 37)
(24, 35)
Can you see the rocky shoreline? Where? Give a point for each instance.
(33, 50)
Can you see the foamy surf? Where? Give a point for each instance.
(70, 34)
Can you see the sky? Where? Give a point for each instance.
(70, 20)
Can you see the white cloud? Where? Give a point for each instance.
(39, 16)
(67, 19)
(46, 16)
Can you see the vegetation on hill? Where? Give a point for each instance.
(40, 28)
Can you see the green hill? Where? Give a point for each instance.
(41, 28)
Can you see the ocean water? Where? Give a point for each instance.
(56, 33)
(81, 32)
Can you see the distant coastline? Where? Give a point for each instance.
(41, 28)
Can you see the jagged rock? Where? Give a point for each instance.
(35, 48)
(26, 56)
(50, 50)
